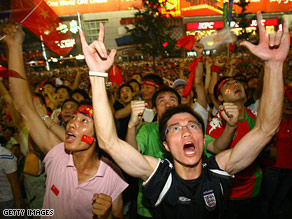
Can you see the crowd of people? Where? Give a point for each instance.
(201, 137)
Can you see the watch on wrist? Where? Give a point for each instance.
(45, 117)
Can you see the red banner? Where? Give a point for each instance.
(40, 19)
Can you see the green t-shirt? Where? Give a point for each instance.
(150, 144)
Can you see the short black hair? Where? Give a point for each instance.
(164, 90)
(124, 85)
(80, 91)
(70, 100)
(50, 83)
(153, 77)
(69, 90)
(134, 80)
(171, 112)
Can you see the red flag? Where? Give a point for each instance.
(40, 19)
(190, 81)
(115, 75)
(186, 42)
(4, 72)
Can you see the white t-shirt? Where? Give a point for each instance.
(148, 115)
(198, 108)
(7, 165)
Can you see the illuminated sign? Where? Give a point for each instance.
(171, 7)
(220, 24)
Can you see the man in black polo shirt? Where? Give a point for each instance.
(189, 188)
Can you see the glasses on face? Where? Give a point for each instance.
(176, 128)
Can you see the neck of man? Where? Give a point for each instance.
(188, 172)
(240, 106)
(86, 159)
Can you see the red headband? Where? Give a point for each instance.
(221, 84)
(85, 109)
(151, 83)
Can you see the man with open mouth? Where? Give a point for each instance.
(189, 188)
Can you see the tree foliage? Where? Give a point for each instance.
(152, 31)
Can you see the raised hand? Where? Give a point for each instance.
(96, 54)
(271, 47)
(14, 34)
(137, 109)
(101, 205)
(199, 48)
(230, 113)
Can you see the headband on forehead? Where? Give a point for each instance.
(221, 84)
(151, 83)
(86, 110)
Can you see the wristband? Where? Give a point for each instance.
(100, 74)
(215, 68)
(45, 117)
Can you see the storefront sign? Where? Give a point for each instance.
(220, 24)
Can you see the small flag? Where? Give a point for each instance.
(55, 190)
(115, 75)
(87, 139)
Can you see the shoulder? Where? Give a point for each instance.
(7, 161)
(251, 113)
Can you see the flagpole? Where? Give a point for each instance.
(45, 54)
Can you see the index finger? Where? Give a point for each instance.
(262, 30)
(101, 32)
(286, 24)
(82, 38)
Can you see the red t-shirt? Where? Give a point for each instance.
(246, 183)
(283, 144)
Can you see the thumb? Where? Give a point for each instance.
(248, 45)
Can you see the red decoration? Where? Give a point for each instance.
(115, 75)
(87, 139)
(55, 190)
(40, 19)
(165, 44)
(85, 109)
(186, 42)
(4, 72)
(190, 81)
(215, 68)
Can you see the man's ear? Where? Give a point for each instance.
(154, 110)
(220, 98)
(165, 146)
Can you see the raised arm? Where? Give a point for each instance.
(20, 91)
(229, 112)
(137, 109)
(198, 81)
(273, 49)
(128, 158)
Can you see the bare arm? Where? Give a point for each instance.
(15, 187)
(50, 124)
(128, 158)
(124, 112)
(117, 207)
(270, 110)
(137, 109)
(198, 81)
(20, 91)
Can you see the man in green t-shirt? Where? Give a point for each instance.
(146, 138)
